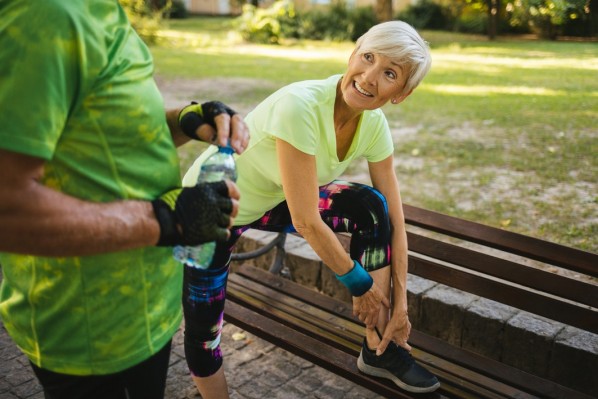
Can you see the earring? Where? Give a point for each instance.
(393, 101)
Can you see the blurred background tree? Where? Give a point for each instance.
(338, 21)
(147, 16)
(553, 18)
(266, 21)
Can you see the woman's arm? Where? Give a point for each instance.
(384, 179)
(300, 185)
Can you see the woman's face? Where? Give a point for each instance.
(371, 81)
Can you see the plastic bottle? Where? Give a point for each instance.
(219, 166)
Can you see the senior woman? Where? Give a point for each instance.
(303, 137)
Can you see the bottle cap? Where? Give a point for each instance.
(226, 149)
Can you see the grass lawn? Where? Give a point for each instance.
(504, 133)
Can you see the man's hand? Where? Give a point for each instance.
(215, 123)
(195, 215)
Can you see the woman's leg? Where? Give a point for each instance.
(345, 207)
(362, 211)
(213, 386)
(357, 209)
(382, 279)
(204, 293)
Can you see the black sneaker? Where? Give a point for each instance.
(397, 365)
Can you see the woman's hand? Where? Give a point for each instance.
(398, 330)
(367, 306)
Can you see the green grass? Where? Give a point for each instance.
(504, 133)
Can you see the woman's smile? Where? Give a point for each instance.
(361, 89)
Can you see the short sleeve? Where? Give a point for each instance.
(291, 119)
(38, 70)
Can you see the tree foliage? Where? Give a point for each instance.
(146, 16)
(547, 17)
(282, 21)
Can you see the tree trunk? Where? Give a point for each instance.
(383, 10)
(493, 13)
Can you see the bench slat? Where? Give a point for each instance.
(335, 330)
(467, 381)
(563, 309)
(545, 251)
(312, 350)
(425, 343)
(454, 386)
(550, 307)
(564, 287)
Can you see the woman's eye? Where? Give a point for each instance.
(368, 57)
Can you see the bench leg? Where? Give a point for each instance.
(277, 242)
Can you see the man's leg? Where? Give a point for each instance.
(146, 380)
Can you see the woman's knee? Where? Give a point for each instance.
(365, 205)
(204, 358)
(364, 214)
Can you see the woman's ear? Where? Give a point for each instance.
(401, 98)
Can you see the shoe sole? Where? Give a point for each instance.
(383, 373)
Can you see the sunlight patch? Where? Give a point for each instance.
(444, 60)
(485, 90)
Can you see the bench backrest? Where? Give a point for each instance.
(541, 277)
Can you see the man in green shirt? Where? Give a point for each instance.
(90, 199)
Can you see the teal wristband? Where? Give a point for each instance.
(357, 280)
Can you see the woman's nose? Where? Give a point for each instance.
(369, 76)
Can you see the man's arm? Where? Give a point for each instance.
(37, 220)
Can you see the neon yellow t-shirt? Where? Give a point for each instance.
(302, 115)
(76, 89)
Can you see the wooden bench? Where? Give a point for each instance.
(485, 261)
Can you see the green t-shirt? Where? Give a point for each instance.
(301, 114)
(76, 89)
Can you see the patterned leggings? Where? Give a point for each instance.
(345, 207)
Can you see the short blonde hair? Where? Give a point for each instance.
(398, 41)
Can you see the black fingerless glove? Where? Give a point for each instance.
(193, 215)
(195, 115)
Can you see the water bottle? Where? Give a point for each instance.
(219, 166)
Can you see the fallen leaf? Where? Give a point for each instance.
(238, 336)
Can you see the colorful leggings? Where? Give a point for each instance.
(345, 207)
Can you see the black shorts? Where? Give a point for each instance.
(146, 380)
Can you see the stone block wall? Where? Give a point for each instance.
(552, 350)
